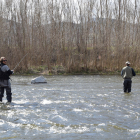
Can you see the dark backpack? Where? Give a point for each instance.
(1, 73)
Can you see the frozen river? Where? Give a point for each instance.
(72, 108)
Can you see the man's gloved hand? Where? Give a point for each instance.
(12, 71)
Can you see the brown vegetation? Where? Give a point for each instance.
(70, 36)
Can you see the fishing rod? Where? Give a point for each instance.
(20, 61)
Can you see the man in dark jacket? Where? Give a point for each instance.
(127, 74)
(5, 80)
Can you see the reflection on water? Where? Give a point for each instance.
(72, 108)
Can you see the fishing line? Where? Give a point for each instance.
(20, 62)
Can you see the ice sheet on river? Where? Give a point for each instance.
(38, 80)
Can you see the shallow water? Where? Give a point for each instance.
(72, 108)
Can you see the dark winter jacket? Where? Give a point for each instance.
(127, 72)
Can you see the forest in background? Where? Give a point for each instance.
(70, 36)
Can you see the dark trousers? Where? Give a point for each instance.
(127, 85)
(8, 93)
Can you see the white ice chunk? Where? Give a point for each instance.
(38, 80)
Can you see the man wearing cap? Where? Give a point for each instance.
(127, 73)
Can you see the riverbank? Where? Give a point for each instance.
(59, 70)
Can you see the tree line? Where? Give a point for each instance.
(70, 36)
